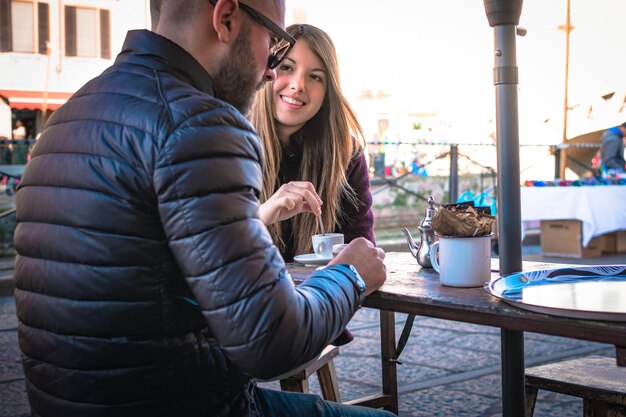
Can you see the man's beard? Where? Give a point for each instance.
(236, 81)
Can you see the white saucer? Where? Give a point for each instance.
(311, 259)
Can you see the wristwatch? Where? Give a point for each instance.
(358, 280)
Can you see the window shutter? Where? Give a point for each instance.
(44, 27)
(70, 31)
(105, 34)
(6, 43)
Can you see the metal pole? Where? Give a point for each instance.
(453, 193)
(567, 28)
(507, 145)
(557, 162)
(513, 388)
(503, 16)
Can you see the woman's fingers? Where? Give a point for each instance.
(307, 192)
(310, 189)
(292, 198)
(290, 203)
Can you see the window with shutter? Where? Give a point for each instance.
(6, 43)
(105, 34)
(43, 26)
(23, 26)
(87, 32)
(70, 31)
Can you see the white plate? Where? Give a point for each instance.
(588, 292)
(311, 259)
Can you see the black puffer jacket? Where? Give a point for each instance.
(146, 285)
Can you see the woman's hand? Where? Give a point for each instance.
(292, 198)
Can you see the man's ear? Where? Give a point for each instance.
(227, 20)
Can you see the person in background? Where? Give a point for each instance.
(20, 130)
(19, 153)
(418, 169)
(175, 306)
(612, 150)
(312, 142)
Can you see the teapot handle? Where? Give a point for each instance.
(434, 249)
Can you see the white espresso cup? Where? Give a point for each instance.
(338, 248)
(463, 261)
(323, 244)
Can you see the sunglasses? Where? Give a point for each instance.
(280, 51)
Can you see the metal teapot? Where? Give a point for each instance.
(421, 252)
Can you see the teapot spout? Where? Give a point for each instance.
(413, 247)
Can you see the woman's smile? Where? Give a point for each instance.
(292, 102)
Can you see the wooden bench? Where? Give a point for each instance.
(598, 380)
(326, 375)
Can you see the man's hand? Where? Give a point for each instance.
(367, 259)
(292, 198)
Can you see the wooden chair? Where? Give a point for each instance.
(596, 379)
(326, 375)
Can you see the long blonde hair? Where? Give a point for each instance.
(331, 139)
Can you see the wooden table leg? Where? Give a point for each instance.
(388, 357)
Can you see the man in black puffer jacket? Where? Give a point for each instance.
(146, 285)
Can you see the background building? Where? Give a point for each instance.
(50, 48)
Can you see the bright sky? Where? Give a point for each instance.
(437, 56)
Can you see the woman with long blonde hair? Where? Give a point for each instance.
(313, 149)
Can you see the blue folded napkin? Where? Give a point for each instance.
(516, 289)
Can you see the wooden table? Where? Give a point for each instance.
(413, 290)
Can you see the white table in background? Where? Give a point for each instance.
(601, 208)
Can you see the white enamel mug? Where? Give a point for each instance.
(462, 261)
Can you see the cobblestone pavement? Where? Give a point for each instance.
(448, 368)
(12, 390)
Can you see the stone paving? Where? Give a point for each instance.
(448, 369)
(12, 390)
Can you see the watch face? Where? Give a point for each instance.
(359, 280)
(358, 276)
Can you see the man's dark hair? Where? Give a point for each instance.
(624, 124)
